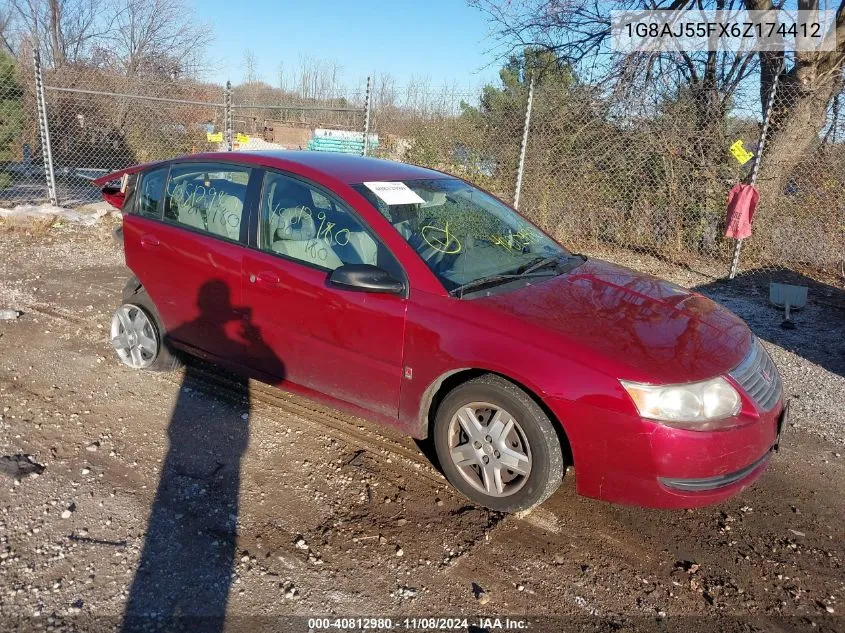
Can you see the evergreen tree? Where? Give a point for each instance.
(11, 112)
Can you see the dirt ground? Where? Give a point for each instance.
(279, 507)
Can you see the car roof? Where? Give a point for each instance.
(348, 168)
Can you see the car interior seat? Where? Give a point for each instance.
(226, 209)
(296, 237)
(364, 246)
(188, 211)
(284, 195)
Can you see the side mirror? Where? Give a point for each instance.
(365, 278)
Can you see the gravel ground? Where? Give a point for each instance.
(197, 494)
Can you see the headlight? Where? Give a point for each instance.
(693, 406)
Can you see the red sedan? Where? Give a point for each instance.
(412, 297)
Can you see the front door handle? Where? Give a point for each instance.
(149, 241)
(266, 278)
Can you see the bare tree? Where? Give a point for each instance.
(7, 36)
(316, 79)
(579, 32)
(135, 37)
(250, 67)
(806, 90)
(251, 77)
(65, 29)
(153, 38)
(385, 92)
(158, 37)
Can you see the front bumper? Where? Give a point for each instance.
(702, 484)
(627, 459)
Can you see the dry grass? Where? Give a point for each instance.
(28, 225)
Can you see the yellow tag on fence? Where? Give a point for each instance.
(242, 138)
(741, 154)
(214, 138)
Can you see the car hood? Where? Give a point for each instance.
(633, 325)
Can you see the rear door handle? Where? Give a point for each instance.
(149, 241)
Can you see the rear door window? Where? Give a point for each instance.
(207, 197)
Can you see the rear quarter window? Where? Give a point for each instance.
(150, 193)
(130, 193)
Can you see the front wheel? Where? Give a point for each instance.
(497, 446)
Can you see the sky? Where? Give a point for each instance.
(442, 40)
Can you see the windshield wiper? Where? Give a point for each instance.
(492, 280)
(539, 264)
(562, 264)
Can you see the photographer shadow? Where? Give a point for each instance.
(185, 571)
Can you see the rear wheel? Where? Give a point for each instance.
(497, 446)
(137, 336)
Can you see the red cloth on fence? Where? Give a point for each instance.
(742, 202)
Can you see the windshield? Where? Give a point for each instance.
(463, 234)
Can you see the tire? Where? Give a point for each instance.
(531, 436)
(156, 354)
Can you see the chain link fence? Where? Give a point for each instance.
(440, 130)
(646, 175)
(100, 121)
(599, 171)
(800, 224)
(22, 176)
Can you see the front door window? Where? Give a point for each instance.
(300, 222)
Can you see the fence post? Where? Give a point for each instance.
(520, 170)
(367, 118)
(760, 146)
(43, 127)
(228, 124)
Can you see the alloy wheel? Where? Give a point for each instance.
(134, 337)
(489, 449)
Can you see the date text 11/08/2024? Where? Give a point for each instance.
(418, 624)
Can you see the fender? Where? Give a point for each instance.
(419, 427)
(131, 287)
